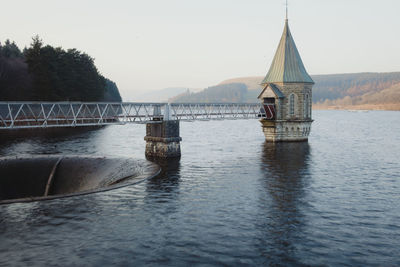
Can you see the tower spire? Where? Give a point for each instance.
(286, 10)
(287, 66)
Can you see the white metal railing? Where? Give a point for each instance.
(71, 114)
(215, 111)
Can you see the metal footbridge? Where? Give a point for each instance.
(17, 115)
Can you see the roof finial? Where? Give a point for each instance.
(286, 9)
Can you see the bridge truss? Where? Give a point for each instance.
(16, 115)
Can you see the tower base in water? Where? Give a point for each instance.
(286, 131)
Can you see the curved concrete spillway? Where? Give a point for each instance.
(45, 177)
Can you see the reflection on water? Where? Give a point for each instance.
(162, 192)
(167, 182)
(285, 166)
(231, 201)
(50, 141)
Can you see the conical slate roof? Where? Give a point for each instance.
(287, 65)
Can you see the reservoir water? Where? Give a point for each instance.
(232, 199)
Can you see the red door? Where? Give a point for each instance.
(269, 111)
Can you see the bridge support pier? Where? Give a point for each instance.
(162, 139)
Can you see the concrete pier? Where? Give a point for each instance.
(162, 139)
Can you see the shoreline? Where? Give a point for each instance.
(387, 107)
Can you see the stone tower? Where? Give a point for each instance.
(287, 94)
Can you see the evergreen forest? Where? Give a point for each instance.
(45, 73)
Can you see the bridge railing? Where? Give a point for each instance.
(71, 114)
(215, 111)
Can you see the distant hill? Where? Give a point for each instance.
(356, 90)
(161, 95)
(385, 99)
(252, 83)
(232, 92)
(336, 86)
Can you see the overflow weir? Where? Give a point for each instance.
(33, 178)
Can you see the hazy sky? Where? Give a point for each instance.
(153, 44)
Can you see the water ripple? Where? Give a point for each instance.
(231, 200)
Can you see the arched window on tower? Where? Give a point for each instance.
(306, 106)
(291, 105)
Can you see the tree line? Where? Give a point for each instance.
(45, 73)
(353, 85)
(224, 93)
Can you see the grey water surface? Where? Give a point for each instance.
(232, 200)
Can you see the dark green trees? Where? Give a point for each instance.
(10, 50)
(54, 74)
(15, 81)
(60, 75)
(112, 93)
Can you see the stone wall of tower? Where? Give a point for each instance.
(286, 131)
(300, 90)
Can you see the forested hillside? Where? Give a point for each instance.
(337, 86)
(45, 73)
(357, 90)
(234, 92)
(161, 95)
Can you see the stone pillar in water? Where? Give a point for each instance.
(162, 138)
